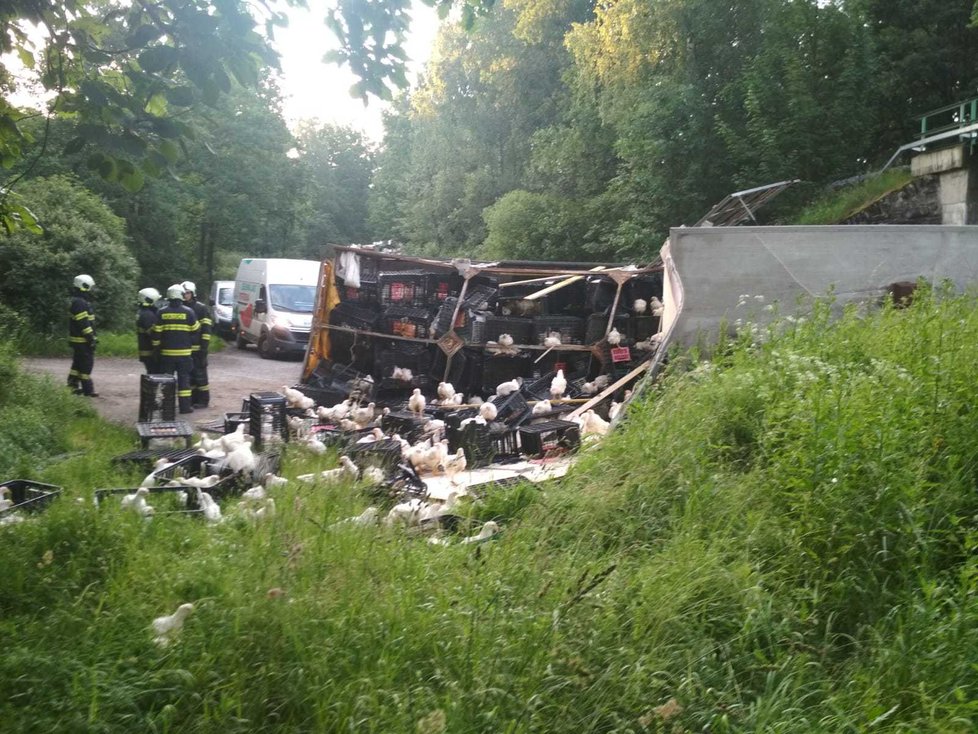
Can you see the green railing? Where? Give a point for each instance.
(948, 118)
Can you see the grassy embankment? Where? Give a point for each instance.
(832, 207)
(782, 540)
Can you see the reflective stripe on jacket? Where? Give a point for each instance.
(175, 333)
(81, 320)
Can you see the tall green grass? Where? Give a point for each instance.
(835, 206)
(780, 540)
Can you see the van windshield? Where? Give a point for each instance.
(225, 296)
(296, 298)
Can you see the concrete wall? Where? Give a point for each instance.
(958, 191)
(709, 269)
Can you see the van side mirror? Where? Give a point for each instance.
(261, 306)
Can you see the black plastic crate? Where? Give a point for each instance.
(28, 495)
(476, 441)
(570, 328)
(442, 322)
(157, 398)
(146, 458)
(569, 362)
(406, 321)
(407, 425)
(642, 327)
(267, 418)
(391, 392)
(369, 269)
(164, 430)
(505, 442)
(642, 286)
(597, 323)
(549, 437)
(480, 296)
(539, 389)
(489, 327)
(233, 420)
(389, 354)
(385, 454)
(511, 409)
(465, 370)
(334, 383)
(367, 293)
(498, 369)
(441, 286)
(403, 288)
(353, 316)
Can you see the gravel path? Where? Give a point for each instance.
(233, 374)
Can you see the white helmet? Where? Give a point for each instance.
(84, 282)
(148, 296)
(174, 291)
(188, 285)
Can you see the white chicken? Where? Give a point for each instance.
(363, 416)
(614, 410)
(375, 435)
(370, 516)
(454, 464)
(552, 340)
(435, 456)
(373, 476)
(593, 424)
(640, 306)
(242, 459)
(292, 396)
(255, 494)
(265, 512)
(271, 480)
(558, 385)
(212, 510)
(614, 337)
(445, 390)
(488, 412)
(416, 403)
(168, 627)
(402, 374)
(505, 389)
(201, 482)
(502, 347)
(541, 407)
(5, 502)
(231, 441)
(601, 381)
(657, 307)
(137, 502)
(490, 529)
(311, 443)
(406, 513)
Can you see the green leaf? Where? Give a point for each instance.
(26, 57)
(74, 146)
(169, 150)
(132, 181)
(158, 58)
(156, 105)
(143, 36)
(180, 96)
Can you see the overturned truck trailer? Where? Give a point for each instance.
(397, 323)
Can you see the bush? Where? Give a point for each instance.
(81, 235)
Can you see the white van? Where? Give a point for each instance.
(222, 304)
(273, 302)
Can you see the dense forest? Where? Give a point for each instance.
(540, 129)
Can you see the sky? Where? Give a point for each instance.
(313, 89)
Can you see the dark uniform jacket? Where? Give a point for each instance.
(145, 321)
(175, 333)
(81, 320)
(203, 314)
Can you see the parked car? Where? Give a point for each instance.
(222, 303)
(273, 302)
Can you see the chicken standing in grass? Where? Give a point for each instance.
(167, 628)
(453, 464)
(212, 510)
(490, 529)
(137, 502)
(5, 502)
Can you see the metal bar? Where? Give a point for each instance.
(533, 347)
(932, 139)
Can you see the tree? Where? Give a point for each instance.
(336, 165)
(127, 74)
(81, 235)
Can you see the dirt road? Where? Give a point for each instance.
(233, 374)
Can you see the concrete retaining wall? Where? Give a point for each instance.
(708, 269)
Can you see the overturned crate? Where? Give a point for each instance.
(27, 495)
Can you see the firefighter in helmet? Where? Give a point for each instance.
(199, 380)
(174, 336)
(146, 319)
(81, 336)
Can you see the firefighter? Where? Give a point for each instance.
(81, 336)
(174, 335)
(199, 380)
(146, 319)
